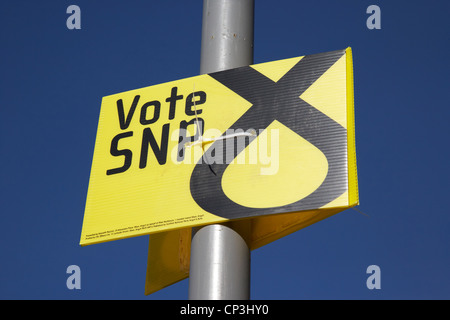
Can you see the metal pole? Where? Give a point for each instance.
(220, 256)
(227, 35)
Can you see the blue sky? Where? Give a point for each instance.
(51, 83)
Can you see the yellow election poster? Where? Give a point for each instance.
(263, 142)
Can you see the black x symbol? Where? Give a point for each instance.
(278, 101)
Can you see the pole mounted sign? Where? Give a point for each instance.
(272, 141)
(266, 139)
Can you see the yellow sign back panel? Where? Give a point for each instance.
(249, 142)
